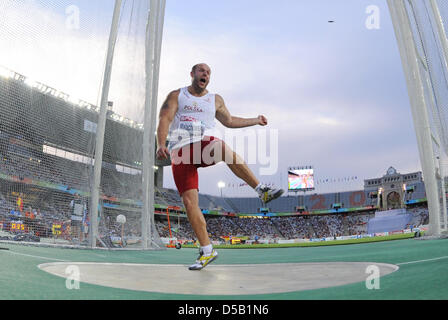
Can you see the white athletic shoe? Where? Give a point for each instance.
(203, 261)
(268, 194)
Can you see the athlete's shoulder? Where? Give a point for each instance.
(175, 93)
(219, 99)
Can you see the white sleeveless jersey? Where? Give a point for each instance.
(194, 117)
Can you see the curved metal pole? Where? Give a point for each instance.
(99, 145)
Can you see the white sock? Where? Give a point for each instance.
(258, 188)
(207, 250)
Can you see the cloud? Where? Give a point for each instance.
(335, 107)
(336, 96)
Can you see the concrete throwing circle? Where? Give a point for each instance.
(220, 279)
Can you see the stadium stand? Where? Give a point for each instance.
(419, 216)
(35, 139)
(387, 221)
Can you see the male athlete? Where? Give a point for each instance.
(185, 116)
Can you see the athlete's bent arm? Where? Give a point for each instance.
(223, 115)
(166, 116)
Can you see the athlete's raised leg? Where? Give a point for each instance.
(222, 152)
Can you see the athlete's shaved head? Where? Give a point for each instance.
(200, 77)
(195, 67)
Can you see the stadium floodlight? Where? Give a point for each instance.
(31, 83)
(85, 105)
(221, 185)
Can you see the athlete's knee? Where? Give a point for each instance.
(190, 200)
(225, 153)
(232, 158)
(189, 203)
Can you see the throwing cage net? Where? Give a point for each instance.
(78, 100)
(421, 28)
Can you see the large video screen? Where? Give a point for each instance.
(301, 179)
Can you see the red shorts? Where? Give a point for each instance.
(187, 160)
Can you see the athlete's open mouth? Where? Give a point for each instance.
(203, 80)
